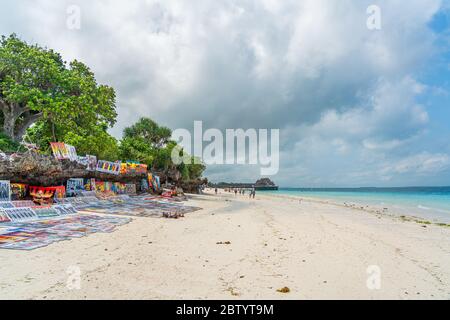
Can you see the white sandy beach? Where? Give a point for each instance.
(318, 250)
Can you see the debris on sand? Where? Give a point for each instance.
(233, 292)
(173, 215)
(284, 290)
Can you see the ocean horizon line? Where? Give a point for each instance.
(353, 188)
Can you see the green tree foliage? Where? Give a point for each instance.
(8, 145)
(96, 141)
(192, 171)
(196, 169)
(36, 84)
(148, 131)
(150, 143)
(145, 141)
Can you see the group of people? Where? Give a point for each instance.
(241, 191)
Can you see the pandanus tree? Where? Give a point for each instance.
(37, 85)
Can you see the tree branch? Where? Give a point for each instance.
(20, 111)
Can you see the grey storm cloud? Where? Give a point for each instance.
(343, 96)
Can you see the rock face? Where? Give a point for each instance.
(193, 185)
(42, 170)
(264, 182)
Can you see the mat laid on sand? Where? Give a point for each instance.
(40, 233)
(136, 207)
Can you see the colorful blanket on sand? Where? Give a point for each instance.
(40, 233)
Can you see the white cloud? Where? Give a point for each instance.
(424, 163)
(344, 97)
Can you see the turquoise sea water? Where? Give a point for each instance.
(427, 202)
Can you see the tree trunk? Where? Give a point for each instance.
(9, 121)
(11, 112)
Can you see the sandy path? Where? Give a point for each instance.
(318, 250)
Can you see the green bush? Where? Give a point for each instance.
(7, 145)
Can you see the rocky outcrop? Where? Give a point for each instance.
(192, 186)
(264, 182)
(43, 170)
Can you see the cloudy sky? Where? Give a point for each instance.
(355, 107)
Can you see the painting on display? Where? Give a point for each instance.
(92, 162)
(154, 182)
(130, 188)
(59, 150)
(150, 179)
(119, 188)
(63, 151)
(20, 214)
(74, 186)
(45, 212)
(89, 184)
(60, 192)
(18, 191)
(83, 161)
(72, 152)
(3, 217)
(65, 209)
(108, 167)
(93, 187)
(108, 185)
(5, 190)
(99, 186)
(103, 186)
(133, 167)
(144, 185)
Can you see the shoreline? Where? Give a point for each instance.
(239, 248)
(371, 209)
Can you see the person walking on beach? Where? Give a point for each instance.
(235, 192)
(253, 193)
(215, 190)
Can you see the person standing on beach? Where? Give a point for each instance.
(235, 192)
(215, 190)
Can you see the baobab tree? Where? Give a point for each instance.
(36, 84)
